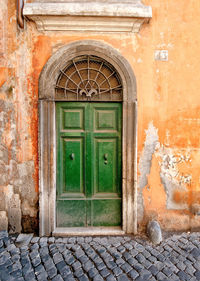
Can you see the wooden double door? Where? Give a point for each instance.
(89, 159)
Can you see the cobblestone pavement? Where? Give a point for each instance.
(118, 258)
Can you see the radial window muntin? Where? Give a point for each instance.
(89, 77)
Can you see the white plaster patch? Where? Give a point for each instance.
(150, 145)
(171, 177)
(169, 164)
(149, 148)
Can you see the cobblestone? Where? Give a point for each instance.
(120, 258)
(52, 272)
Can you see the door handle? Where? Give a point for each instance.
(105, 158)
(72, 156)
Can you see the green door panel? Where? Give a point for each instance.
(73, 119)
(71, 213)
(105, 119)
(73, 165)
(88, 164)
(106, 212)
(105, 177)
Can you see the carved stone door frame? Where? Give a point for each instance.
(47, 134)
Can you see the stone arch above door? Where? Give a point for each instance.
(58, 60)
(47, 136)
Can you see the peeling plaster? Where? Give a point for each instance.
(171, 177)
(170, 186)
(145, 164)
(146, 157)
(18, 196)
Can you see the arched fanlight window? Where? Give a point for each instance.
(89, 77)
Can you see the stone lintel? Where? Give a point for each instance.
(99, 16)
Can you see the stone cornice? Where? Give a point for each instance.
(109, 16)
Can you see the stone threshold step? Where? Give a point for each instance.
(87, 231)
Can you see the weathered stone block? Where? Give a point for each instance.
(23, 239)
(2, 201)
(14, 217)
(3, 221)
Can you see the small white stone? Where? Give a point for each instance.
(154, 232)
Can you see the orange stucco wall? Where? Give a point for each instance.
(168, 105)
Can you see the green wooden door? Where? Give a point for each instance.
(88, 164)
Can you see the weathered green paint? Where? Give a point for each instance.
(88, 164)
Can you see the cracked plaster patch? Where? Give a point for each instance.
(171, 177)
